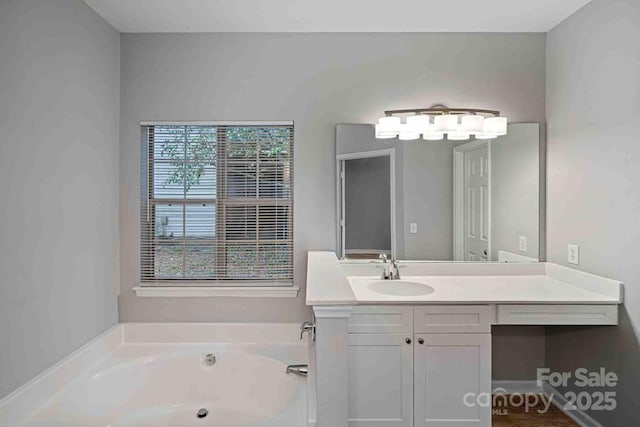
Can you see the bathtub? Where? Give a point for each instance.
(187, 375)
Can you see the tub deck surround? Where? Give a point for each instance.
(152, 374)
(408, 361)
(18, 405)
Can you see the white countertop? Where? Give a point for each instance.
(327, 283)
(330, 282)
(484, 290)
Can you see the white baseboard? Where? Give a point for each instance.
(580, 417)
(516, 387)
(18, 405)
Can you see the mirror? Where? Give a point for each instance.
(476, 200)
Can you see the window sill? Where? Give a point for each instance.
(217, 291)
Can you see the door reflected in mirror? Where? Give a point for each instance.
(367, 204)
(473, 201)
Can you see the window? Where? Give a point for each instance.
(217, 204)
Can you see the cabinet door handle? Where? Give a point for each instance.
(408, 340)
(420, 341)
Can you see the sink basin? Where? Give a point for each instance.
(400, 288)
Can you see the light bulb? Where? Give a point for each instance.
(388, 127)
(433, 136)
(458, 136)
(495, 125)
(419, 123)
(472, 123)
(382, 134)
(407, 133)
(446, 123)
(390, 123)
(486, 136)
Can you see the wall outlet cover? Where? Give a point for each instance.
(522, 244)
(573, 254)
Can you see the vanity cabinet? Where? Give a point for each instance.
(380, 366)
(412, 366)
(380, 380)
(446, 368)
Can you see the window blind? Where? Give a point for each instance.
(217, 204)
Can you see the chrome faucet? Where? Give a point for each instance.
(394, 270)
(301, 370)
(385, 274)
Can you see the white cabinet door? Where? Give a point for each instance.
(380, 380)
(447, 368)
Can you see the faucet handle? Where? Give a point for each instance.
(308, 327)
(395, 270)
(385, 275)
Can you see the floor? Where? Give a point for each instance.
(510, 415)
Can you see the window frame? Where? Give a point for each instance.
(194, 286)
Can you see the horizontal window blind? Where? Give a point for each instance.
(217, 203)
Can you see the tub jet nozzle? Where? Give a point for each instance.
(209, 360)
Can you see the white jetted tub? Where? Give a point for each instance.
(237, 379)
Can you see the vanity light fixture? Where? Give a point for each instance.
(458, 124)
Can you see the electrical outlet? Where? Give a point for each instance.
(573, 254)
(522, 244)
(413, 228)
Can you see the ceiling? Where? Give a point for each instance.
(178, 16)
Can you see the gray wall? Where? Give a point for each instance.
(428, 200)
(515, 183)
(367, 188)
(517, 352)
(317, 80)
(58, 182)
(593, 89)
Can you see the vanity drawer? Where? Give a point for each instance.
(372, 319)
(453, 319)
(557, 314)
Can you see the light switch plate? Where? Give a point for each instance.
(573, 254)
(522, 244)
(413, 228)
